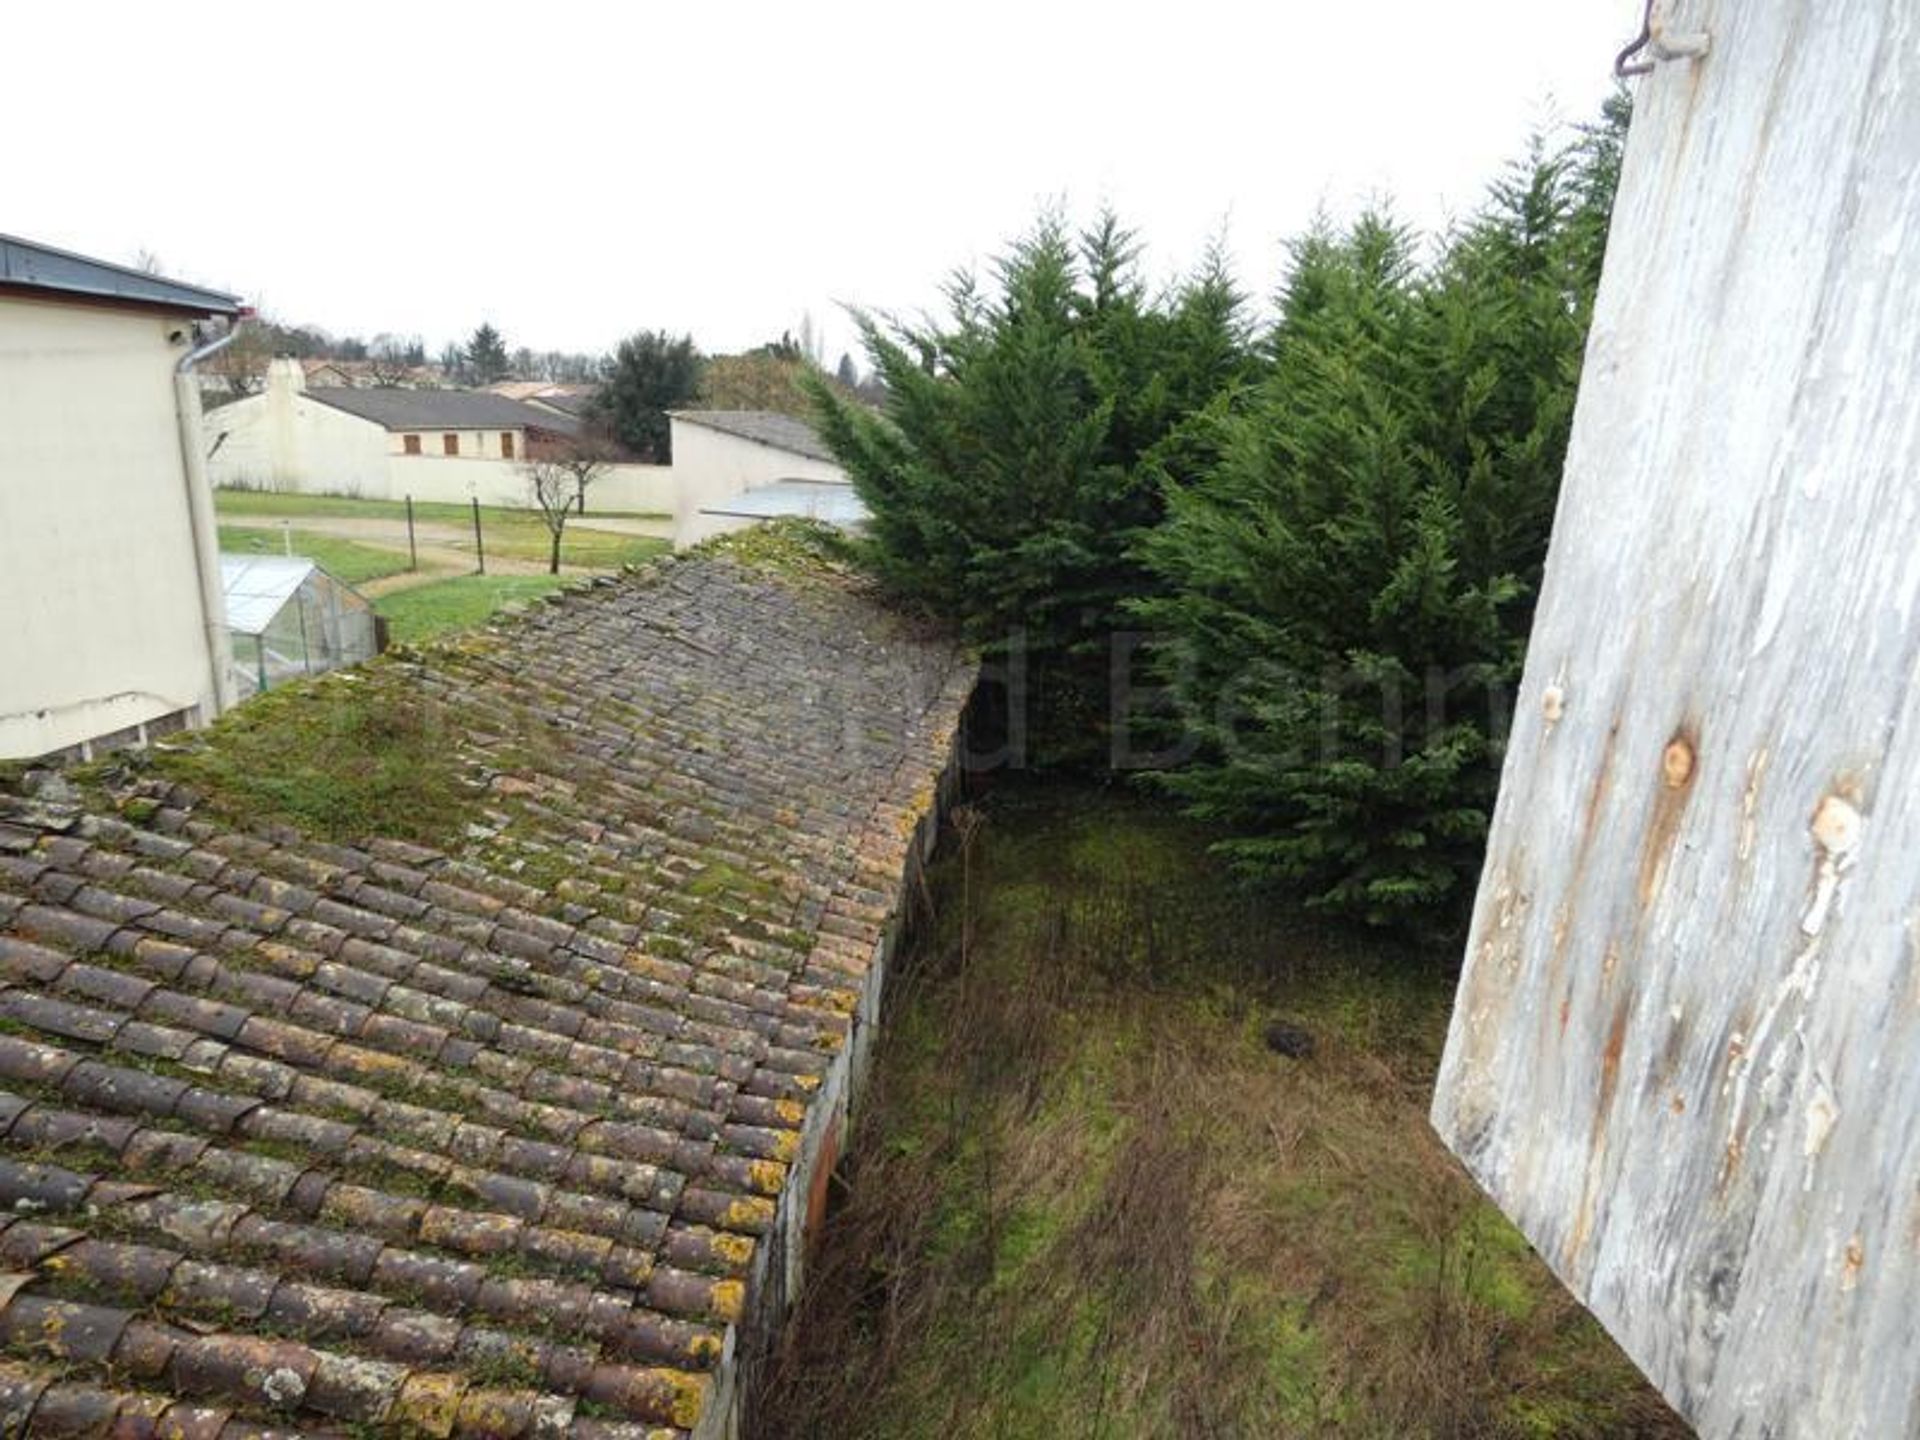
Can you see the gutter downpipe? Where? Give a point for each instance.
(206, 535)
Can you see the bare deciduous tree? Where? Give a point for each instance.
(557, 481)
(389, 361)
(242, 366)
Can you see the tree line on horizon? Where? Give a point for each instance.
(1293, 565)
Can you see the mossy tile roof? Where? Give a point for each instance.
(475, 1139)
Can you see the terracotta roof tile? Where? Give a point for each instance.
(299, 1137)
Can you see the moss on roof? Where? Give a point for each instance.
(309, 1123)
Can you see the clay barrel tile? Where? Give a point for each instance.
(355, 1389)
(76, 1408)
(62, 1330)
(357, 1207)
(324, 1313)
(20, 1391)
(132, 1272)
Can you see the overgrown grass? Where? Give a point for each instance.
(1089, 1199)
(346, 756)
(346, 560)
(424, 611)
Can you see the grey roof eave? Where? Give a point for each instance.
(28, 265)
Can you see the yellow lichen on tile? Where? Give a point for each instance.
(729, 1299)
(429, 1403)
(488, 1412)
(690, 1393)
(749, 1212)
(767, 1176)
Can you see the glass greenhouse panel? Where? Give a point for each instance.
(288, 619)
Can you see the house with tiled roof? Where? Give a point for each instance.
(294, 433)
(390, 442)
(514, 1133)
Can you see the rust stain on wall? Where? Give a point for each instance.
(1679, 766)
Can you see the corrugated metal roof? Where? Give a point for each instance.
(396, 409)
(41, 267)
(768, 427)
(256, 586)
(822, 500)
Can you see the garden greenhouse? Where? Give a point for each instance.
(288, 618)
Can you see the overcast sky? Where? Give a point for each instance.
(573, 172)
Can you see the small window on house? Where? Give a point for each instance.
(506, 444)
(450, 444)
(410, 444)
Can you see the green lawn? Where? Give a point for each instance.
(509, 534)
(275, 502)
(425, 611)
(346, 560)
(519, 536)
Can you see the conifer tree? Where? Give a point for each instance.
(651, 372)
(1020, 456)
(1346, 592)
(485, 358)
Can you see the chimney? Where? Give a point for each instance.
(286, 382)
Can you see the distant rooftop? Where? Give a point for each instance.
(768, 427)
(26, 265)
(396, 409)
(568, 402)
(541, 390)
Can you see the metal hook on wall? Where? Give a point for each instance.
(1660, 44)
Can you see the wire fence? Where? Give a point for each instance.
(390, 544)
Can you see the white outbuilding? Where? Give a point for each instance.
(735, 468)
(109, 564)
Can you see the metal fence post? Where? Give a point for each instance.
(413, 553)
(479, 545)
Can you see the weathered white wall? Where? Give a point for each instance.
(1683, 1055)
(282, 440)
(636, 489)
(100, 621)
(646, 489)
(710, 466)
